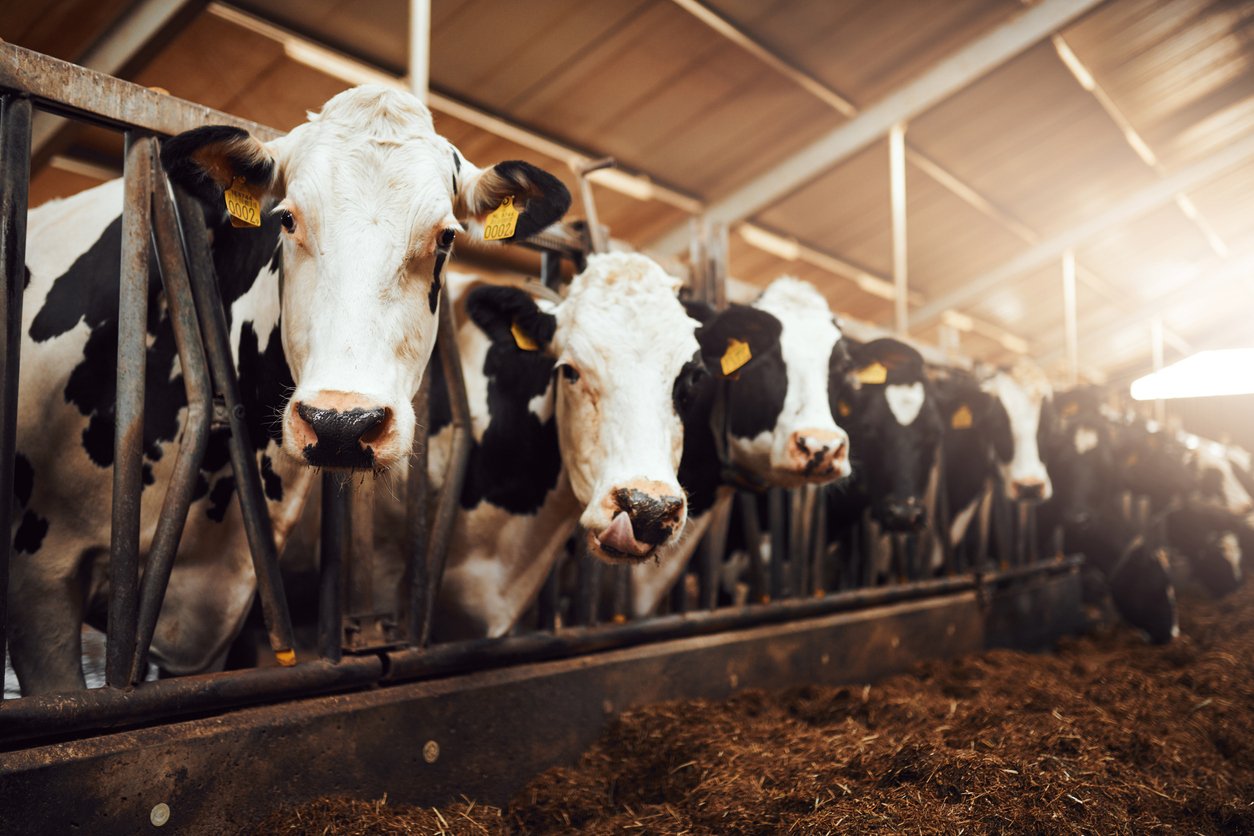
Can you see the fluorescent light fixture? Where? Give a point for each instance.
(769, 242)
(1206, 374)
(629, 184)
(1073, 63)
(876, 287)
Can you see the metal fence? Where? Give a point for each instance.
(805, 575)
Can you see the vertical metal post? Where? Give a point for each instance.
(128, 437)
(777, 518)
(818, 541)
(897, 188)
(753, 545)
(252, 502)
(548, 602)
(697, 262)
(588, 602)
(419, 47)
(195, 437)
(718, 254)
(412, 601)
(15, 122)
(712, 551)
(1157, 340)
(334, 550)
(1069, 314)
(550, 269)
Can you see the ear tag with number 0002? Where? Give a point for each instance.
(962, 418)
(735, 357)
(502, 222)
(522, 340)
(244, 209)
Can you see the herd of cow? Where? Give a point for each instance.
(615, 409)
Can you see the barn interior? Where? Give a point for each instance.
(1110, 163)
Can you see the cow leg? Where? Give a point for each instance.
(45, 628)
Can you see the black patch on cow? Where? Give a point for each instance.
(220, 498)
(26, 280)
(433, 296)
(517, 461)
(30, 533)
(23, 479)
(457, 169)
(970, 452)
(177, 155)
(541, 197)
(755, 393)
(700, 471)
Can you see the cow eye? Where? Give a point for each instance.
(446, 238)
(569, 372)
(288, 220)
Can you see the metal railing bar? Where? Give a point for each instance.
(253, 510)
(588, 601)
(416, 581)
(752, 529)
(15, 128)
(779, 541)
(195, 439)
(548, 602)
(335, 545)
(86, 95)
(455, 476)
(128, 437)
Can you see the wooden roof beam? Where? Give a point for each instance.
(932, 87)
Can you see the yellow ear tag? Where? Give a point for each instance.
(961, 419)
(244, 209)
(1070, 409)
(735, 357)
(501, 223)
(843, 408)
(522, 340)
(874, 373)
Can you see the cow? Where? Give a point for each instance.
(578, 408)
(1027, 398)
(331, 302)
(1084, 475)
(763, 417)
(1213, 524)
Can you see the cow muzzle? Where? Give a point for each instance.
(817, 456)
(906, 516)
(1028, 490)
(341, 430)
(643, 517)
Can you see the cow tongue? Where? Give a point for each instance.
(620, 537)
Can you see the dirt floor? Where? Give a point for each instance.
(1107, 735)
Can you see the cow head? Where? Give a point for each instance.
(1081, 456)
(1153, 463)
(1026, 395)
(368, 198)
(895, 428)
(1143, 594)
(772, 360)
(626, 367)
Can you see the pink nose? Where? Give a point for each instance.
(339, 429)
(818, 452)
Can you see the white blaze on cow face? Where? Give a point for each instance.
(1085, 440)
(1023, 391)
(905, 401)
(805, 423)
(621, 340)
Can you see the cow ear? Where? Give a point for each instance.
(539, 198)
(734, 337)
(510, 316)
(208, 160)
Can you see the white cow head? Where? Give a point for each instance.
(368, 197)
(1026, 395)
(779, 417)
(626, 365)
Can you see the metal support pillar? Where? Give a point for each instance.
(897, 189)
(1069, 314)
(128, 437)
(334, 550)
(15, 131)
(419, 47)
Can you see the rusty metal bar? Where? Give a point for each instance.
(621, 577)
(195, 440)
(455, 476)
(412, 601)
(588, 599)
(70, 90)
(334, 550)
(253, 510)
(777, 521)
(15, 123)
(548, 602)
(128, 436)
(752, 529)
(818, 541)
(712, 551)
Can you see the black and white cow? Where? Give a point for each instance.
(767, 423)
(1026, 396)
(331, 305)
(577, 407)
(1084, 471)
